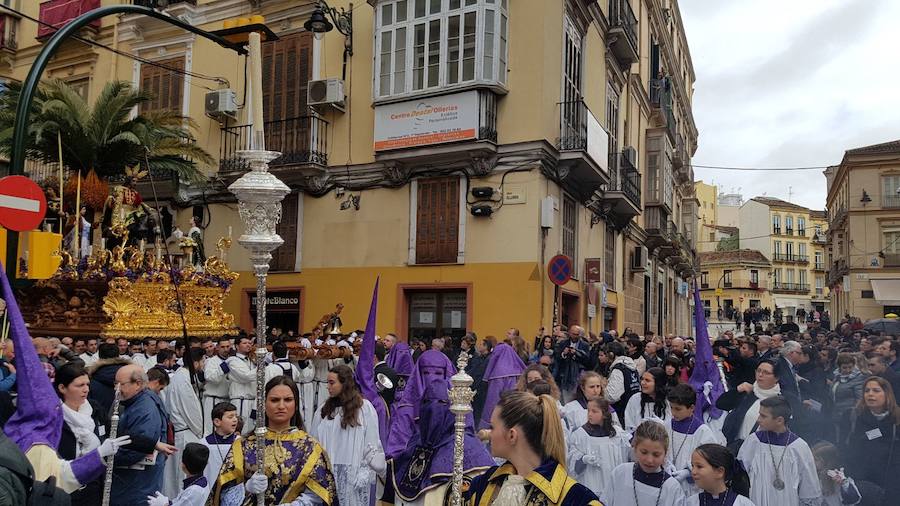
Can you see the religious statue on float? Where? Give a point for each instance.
(126, 218)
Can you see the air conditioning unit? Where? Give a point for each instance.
(326, 92)
(630, 154)
(221, 104)
(639, 259)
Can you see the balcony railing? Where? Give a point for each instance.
(59, 12)
(300, 140)
(624, 177)
(623, 24)
(892, 260)
(790, 287)
(573, 124)
(790, 257)
(890, 201)
(820, 238)
(819, 267)
(776, 231)
(8, 28)
(157, 4)
(754, 285)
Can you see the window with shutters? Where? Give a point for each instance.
(569, 228)
(284, 258)
(437, 220)
(286, 70)
(431, 44)
(165, 83)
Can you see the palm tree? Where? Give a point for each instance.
(104, 137)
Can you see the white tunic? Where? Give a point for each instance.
(215, 389)
(242, 388)
(633, 416)
(346, 448)
(218, 449)
(682, 445)
(797, 471)
(574, 416)
(609, 452)
(184, 410)
(623, 488)
(739, 500)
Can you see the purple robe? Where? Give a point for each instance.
(38, 419)
(501, 374)
(432, 367)
(427, 460)
(365, 370)
(401, 361)
(705, 368)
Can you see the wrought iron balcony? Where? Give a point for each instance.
(890, 201)
(162, 4)
(57, 13)
(819, 267)
(302, 141)
(583, 145)
(8, 27)
(790, 258)
(790, 287)
(819, 238)
(622, 37)
(625, 178)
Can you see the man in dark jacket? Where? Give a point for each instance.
(142, 415)
(103, 376)
(878, 365)
(572, 356)
(743, 362)
(381, 367)
(476, 368)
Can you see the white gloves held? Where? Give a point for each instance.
(111, 446)
(257, 483)
(591, 460)
(157, 500)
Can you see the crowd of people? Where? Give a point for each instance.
(568, 417)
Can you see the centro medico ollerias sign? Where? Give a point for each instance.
(427, 121)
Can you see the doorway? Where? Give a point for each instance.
(570, 310)
(436, 313)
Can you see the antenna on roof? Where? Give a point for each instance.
(790, 192)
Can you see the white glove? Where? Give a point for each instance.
(111, 446)
(374, 459)
(157, 500)
(670, 468)
(257, 483)
(590, 460)
(300, 501)
(682, 475)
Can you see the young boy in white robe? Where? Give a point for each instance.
(597, 447)
(686, 433)
(780, 464)
(225, 430)
(196, 488)
(721, 482)
(645, 481)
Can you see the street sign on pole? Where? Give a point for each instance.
(22, 203)
(560, 270)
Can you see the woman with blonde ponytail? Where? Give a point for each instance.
(528, 433)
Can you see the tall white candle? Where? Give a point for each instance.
(255, 55)
(143, 243)
(229, 230)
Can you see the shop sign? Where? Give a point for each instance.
(427, 121)
(289, 300)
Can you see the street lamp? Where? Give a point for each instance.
(341, 19)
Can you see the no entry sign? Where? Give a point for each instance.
(22, 203)
(560, 270)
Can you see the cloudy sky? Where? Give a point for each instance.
(788, 83)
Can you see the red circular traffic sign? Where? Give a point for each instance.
(22, 203)
(560, 269)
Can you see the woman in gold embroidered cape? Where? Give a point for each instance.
(296, 467)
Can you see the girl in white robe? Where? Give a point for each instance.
(575, 412)
(597, 447)
(722, 482)
(644, 482)
(347, 427)
(650, 403)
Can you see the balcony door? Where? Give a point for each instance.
(573, 120)
(286, 70)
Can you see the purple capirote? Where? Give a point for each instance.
(400, 360)
(432, 367)
(38, 418)
(501, 374)
(436, 433)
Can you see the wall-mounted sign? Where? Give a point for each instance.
(427, 121)
(275, 301)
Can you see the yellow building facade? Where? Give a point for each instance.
(452, 147)
(864, 232)
(793, 237)
(734, 281)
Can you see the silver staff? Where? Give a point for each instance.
(461, 395)
(113, 429)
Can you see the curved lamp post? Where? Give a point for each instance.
(29, 87)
